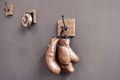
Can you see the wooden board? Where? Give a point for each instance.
(71, 27)
(10, 12)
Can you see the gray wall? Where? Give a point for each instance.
(97, 39)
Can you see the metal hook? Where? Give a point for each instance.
(64, 28)
(6, 7)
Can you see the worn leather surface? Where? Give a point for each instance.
(73, 56)
(50, 57)
(66, 55)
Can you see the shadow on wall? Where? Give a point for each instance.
(31, 28)
(22, 31)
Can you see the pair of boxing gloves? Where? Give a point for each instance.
(61, 59)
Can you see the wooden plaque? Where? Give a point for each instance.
(10, 12)
(71, 27)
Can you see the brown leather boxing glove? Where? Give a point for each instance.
(50, 57)
(66, 55)
(73, 56)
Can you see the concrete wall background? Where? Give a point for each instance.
(97, 39)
